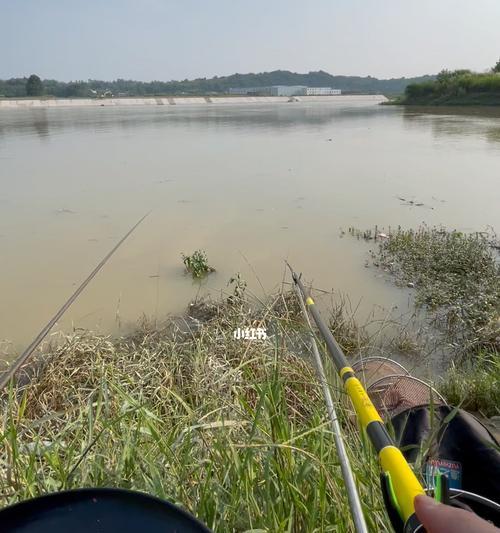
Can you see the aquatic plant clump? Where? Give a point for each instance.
(197, 264)
(456, 276)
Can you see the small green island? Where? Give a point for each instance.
(458, 87)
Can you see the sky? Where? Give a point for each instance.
(178, 39)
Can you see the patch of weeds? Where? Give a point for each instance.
(235, 432)
(475, 386)
(456, 277)
(351, 337)
(367, 235)
(197, 264)
(287, 307)
(239, 286)
(406, 343)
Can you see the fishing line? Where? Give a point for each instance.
(24, 357)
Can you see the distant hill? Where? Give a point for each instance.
(16, 87)
(349, 84)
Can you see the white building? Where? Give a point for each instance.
(273, 90)
(242, 91)
(322, 91)
(285, 90)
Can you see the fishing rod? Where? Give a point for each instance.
(345, 465)
(28, 352)
(399, 483)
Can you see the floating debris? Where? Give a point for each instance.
(413, 203)
(64, 210)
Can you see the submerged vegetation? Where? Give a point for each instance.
(197, 264)
(457, 87)
(456, 276)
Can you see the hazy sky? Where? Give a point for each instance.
(176, 39)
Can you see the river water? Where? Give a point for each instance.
(250, 184)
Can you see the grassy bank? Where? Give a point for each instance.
(234, 431)
(460, 87)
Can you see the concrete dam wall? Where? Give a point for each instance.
(24, 103)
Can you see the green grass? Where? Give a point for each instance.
(233, 431)
(475, 385)
(456, 277)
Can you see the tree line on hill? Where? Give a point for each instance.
(34, 86)
(457, 87)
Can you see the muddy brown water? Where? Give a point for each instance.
(250, 184)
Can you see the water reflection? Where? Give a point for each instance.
(41, 123)
(482, 122)
(279, 117)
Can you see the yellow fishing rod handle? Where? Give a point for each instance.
(363, 406)
(403, 480)
(405, 483)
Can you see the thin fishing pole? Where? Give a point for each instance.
(400, 485)
(345, 465)
(24, 357)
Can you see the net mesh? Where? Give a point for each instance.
(372, 369)
(392, 389)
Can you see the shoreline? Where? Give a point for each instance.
(447, 103)
(40, 103)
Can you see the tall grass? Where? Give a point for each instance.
(475, 385)
(233, 431)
